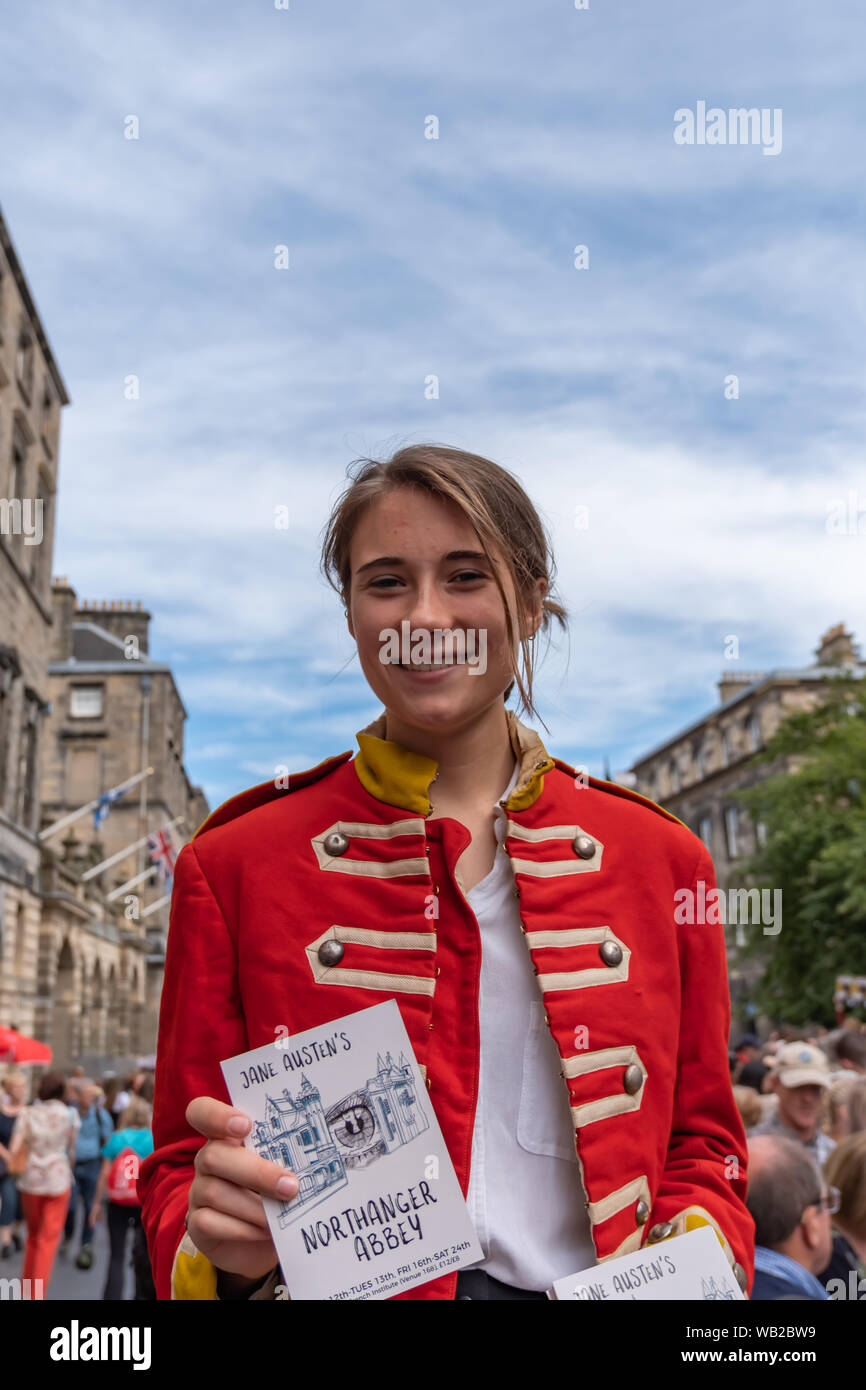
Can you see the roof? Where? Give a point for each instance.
(32, 311)
(805, 674)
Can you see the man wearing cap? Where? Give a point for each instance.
(800, 1076)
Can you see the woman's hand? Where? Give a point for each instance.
(96, 1211)
(226, 1219)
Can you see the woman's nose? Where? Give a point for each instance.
(429, 609)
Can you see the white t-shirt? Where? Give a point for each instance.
(525, 1196)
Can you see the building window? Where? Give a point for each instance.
(674, 773)
(701, 760)
(753, 729)
(40, 555)
(85, 701)
(27, 765)
(761, 833)
(19, 465)
(24, 362)
(726, 748)
(731, 829)
(705, 829)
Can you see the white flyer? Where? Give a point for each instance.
(344, 1106)
(692, 1266)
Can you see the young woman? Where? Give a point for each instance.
(49, 1131)
(573, 1035)
(131, 1142)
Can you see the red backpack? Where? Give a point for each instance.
(122, 1178)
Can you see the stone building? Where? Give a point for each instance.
(81, 709)
(115, 711)
(696, 773)
(32, 394)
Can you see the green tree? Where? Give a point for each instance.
(811, 803)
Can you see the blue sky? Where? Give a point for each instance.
(601, 387)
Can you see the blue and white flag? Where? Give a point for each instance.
(101, 809)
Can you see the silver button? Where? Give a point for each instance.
(660, 1232)
(741, 1277)
(610, 953)
(632, 1079)
(583, 846)
(641, 1213)
(331, 952)
(336, 843)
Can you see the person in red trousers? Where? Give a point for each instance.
(49, 1131)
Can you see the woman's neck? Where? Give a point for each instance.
(475, 762)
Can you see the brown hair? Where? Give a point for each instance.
(857, 1106)
(136, 1115)
(748, 1103)
(494, 504)
(838, 1094)
(52, 1086)
(845, 1168)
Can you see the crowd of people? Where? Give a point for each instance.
(74, 1151)
(70, 1158)
(802, 1098)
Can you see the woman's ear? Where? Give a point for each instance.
(535, 611)
(349, 622)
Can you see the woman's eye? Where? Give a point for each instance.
(389, 579)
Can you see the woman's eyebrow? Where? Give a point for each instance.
(382, 560)
(452, 555)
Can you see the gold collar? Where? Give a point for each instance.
(393, 774)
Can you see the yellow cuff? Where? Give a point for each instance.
(192, 1274)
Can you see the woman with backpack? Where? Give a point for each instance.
(131, 1142)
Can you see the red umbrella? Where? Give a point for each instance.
(23, 1051)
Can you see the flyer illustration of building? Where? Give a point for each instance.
(379, 1208)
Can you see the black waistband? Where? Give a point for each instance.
(477, 1284)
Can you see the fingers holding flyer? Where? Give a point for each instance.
(226, 1217)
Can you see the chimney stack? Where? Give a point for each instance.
(63, 608)
(837, 647)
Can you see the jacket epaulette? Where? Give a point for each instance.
(616, 790)
(264, 792)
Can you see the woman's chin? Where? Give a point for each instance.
(432, 709)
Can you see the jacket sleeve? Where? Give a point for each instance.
(704, 1176)
(201, 1022)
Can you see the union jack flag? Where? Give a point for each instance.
(164, 854)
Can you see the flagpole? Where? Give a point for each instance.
(128, 849)
(91, 805)
(160, 902)
(130, 883)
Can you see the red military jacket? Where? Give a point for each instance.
(637, 1005)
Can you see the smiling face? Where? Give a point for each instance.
(415, 557)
